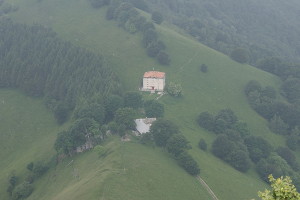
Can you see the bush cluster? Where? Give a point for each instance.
(20, 191)
(236, 146)
(284, 118)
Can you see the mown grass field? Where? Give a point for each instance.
(221, 87)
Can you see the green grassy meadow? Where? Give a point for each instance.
(27, 133)
(150, 173)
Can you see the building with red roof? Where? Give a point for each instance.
(154, 81)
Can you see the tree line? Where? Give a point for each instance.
(166, 134)
(238, 147)
(125, 13)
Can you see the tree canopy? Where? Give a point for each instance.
(133, 100)
(126, 117)
(176, 144)
(154, 109)
(187, 162)
(162, 130)
(157, 17)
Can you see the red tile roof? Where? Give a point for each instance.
(154, 74)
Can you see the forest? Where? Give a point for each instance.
(34, 60)
(262, 28)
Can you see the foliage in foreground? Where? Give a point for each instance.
(282, 189)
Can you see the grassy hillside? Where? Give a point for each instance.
(221, 87)
(27, 133)
(130, 171)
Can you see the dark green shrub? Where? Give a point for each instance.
(202, 144)
(39, 169)
(30, 166)
(204, 68)
(206, 121)
(61, 113)
(154, 109)
(22, 191)
(163, 58)
(176, 144)
(162, 130)
(187, 162)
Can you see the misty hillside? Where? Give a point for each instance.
(265, 28)
(70, 73)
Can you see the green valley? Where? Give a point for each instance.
(130, 170)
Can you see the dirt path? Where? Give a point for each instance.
(212, 194)
(160, 96)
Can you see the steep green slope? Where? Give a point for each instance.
(221, 87)
(129, 171)
(27, 133)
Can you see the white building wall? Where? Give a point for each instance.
(157, 83)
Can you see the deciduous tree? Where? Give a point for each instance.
(154, 109)
(162, 130)
(174, 89)
(187, 162)
(206, 121)
(133, 100)
(202, 144)
(282, 189)
(126, 116)
(176, 144)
